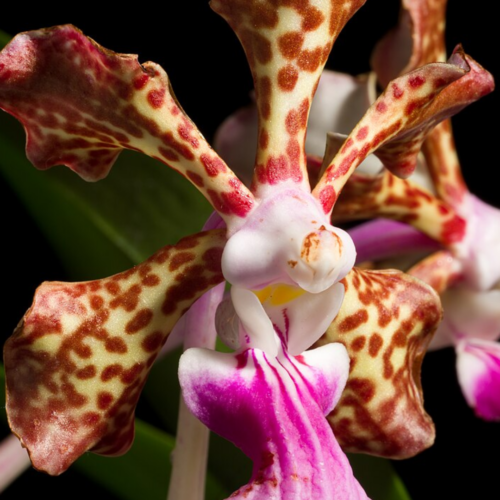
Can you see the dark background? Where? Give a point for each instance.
(211, 81)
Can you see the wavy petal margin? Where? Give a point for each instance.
(82, 104)
(78, 360)
(396, 125)
(386, 322)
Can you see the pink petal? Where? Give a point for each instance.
(273, 409)
(478, 367)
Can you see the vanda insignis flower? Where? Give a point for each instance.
(110, 330)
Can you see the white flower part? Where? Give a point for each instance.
(256, 329)
(288, 239)
(480, 250)
(341, 100)
(468, 314)
(304, 319)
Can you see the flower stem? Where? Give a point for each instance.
(191, 450)
(14, 461)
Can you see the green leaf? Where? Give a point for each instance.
(4, 39)
(144, 471)
(102, 228)
(378, 478)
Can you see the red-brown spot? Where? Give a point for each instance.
(358, 343)
(156, 98)
(127, 300)
(86, 372)
(399, 338)
(327, 198)
(213, 165)
(152, 342)
(262, 48)
(290, 44)
(128, 376)
(396, 91)
(362, 387)
(116, 345)
(287, 78)
(104, 400)
(183, 149)
(416, 81)
(96, 302)
(141, 81)
(293, 151)
(168, 154)
(212, 259)
(180, 259)
(90, 419)
(151, 280)
(381, 107)
(263, 139)
(362, 133)
(195, 178)
(310, 60)
(312, 19)
(111, 372)
(353, 321)
(112, 287)
(375, 344)
(141, 319)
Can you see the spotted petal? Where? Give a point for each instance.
(417, 40)
(397, 123)
(77, 362)
(386, 322)
(82, 104)
(287, 45)
(386, 195)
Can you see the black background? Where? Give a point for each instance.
(210, 77)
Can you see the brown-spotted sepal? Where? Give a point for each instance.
(287, 43)
(440, 270)
(77, 362)
(386, 322)
(82, 104)
(396, 124)
(418, 39)
(388, 196)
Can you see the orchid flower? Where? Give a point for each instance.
(467, 272)
(80, 357)
(311, 275)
